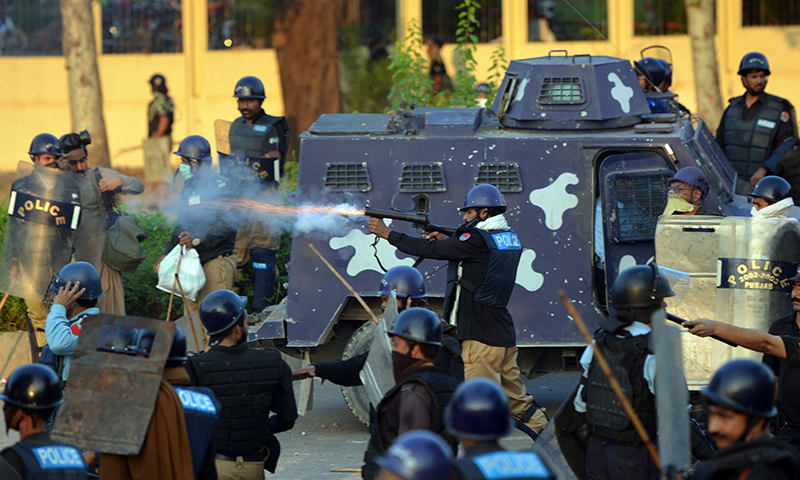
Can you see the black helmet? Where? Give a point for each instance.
(46, 144)
(655, 70)
(418, 325)
(74, 141)
(418, 455)
(177, 354)
(484, 195)
(753, 61)
(249, 87)
(479, 411)
(79, 272)
(220, 310)
(693, 177)
(195, 147)
(772, 189)
(405, 281)
(743, 385)
(158, 80)
(640, 287)
(33, 386)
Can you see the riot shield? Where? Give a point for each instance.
(43, 213)
(571, 432)
(112, 388)
(672, 395)
(378, 374)
(248, 153)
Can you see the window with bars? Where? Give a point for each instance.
(423, 177)
(639, 201)
(504, 176)
(440, 18)
(561, 91)
(347, 177)
(659, 17)
(770, 12)
(30, 28)
(240, 24)
(558, 21)
(142, 26)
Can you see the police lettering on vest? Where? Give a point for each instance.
(502, 465)
(196, 401)
(50, 462)
(58, 457)
(505, 250)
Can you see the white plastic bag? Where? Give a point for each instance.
(191, 274)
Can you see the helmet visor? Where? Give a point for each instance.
(678, 282)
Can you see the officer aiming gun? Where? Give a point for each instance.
(417, 220)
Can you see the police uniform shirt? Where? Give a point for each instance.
(788, 378)
(785, 128)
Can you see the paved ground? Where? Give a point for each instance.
(329, 436)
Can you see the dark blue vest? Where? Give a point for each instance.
(503, 465)
(50, 462)
(201, 408)
(505, 251)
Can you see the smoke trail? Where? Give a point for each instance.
(323, 219)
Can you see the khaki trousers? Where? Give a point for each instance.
(239, 470)
(113, 299)
(500, 365)
(220, 274)
(38, 315)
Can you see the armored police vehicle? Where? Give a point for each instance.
(583, 166)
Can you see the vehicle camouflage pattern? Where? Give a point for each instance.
(562, 132)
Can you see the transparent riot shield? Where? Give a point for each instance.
(248, 153)
(43, 213)
(378, 374)
(739, 269)
(113, 383)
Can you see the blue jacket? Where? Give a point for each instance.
(61, 337)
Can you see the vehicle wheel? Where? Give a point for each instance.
(356, 397)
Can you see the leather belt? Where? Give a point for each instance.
(252, 457)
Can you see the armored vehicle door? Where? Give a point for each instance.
(632, 195)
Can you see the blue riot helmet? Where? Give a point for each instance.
(484, 195)
(692, 176)
(75, 272)
(221, 310)
(418, 455)
(74, 141)
(638, 287)
(652, 69)
(159, 83)
(34, 387)
(743, 385)
(405, 281)
(667, 72)
(177, 353)
(44, 144)
(418, 325)
(249, 87)
(479, 411)
(753, 61)
(196, 148)
(772, 188)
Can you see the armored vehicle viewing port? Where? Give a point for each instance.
(566, 136)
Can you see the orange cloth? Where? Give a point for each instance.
(165, 454)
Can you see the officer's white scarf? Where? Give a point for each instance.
(498, 222)
(777, 209)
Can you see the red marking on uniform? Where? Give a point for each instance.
(464, 237)
(785, 116)
(76, 329)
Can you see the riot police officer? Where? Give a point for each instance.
(202, 220)
(772, 197)
(740, 404)
(416, 455)
(249, 384)
(417, 400)
(409, 288)
(484, 254)
(257, 239)
(478, 416)
(31, 394)
(757, 128)
(624, 340)
(686, 191)
(74, 292)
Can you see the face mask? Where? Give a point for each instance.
(401, 363)
(677, 205)
(186, 171)
(754, 212)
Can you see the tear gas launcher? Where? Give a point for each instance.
(417, 220)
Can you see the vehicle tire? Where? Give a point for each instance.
(356, 397)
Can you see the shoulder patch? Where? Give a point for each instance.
(785, 116)
(464, 237)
